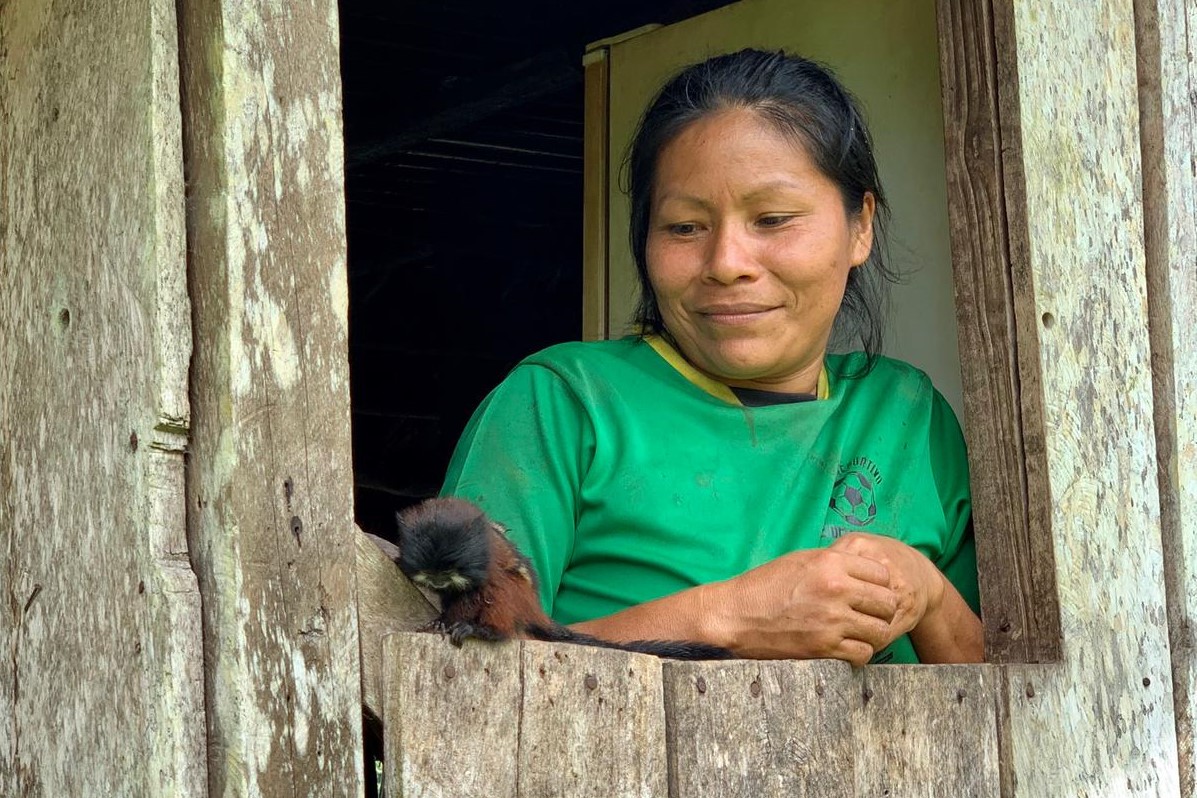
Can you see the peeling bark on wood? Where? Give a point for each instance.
(1166, 45)
(760, 728)
(269, 487)
(1101, 723)
(101, 689)
(927, 730)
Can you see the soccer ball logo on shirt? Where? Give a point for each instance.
(853, 497)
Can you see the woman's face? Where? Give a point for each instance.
(749, 248)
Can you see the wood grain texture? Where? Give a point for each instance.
(1167, 53)
(996, 323)
(100, 687)
(760, 728)
(1102, 722)
(927, 731)
(596, 151)
(269, 487)
(387, 602)
(453, 717)
(592, 723)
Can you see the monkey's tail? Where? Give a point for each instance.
(670, 649)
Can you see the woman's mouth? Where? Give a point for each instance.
(735, 314)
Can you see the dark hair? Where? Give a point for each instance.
(805, 101)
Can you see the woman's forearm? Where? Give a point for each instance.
(949, 633)
(682, 616)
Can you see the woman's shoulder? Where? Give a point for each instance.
(573, 358)
(855, 372)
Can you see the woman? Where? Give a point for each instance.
(722, 477)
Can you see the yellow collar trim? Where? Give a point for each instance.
(714, 387)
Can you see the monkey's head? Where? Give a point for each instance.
(444, 545)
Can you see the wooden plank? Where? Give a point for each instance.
(592, 723)
(923, 730)
(270, 471)
(596, 151)
(759, 728)
(1101, 723)
(101, 690)
(1167, 84)
(387, 602)
(453, 717)
(996, 324)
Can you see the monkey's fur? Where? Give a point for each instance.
(487, 586)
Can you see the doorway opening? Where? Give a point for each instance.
(463, 147)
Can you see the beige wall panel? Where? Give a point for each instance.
(887, 54)
(1101, 722)
(387, 602)
(101, 691)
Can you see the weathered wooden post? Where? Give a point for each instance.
(1100, 722)
(269, 489)
(101, 686)
(1167, 61)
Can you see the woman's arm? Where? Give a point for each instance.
(811, 604)
(949, 633)
(844, 602)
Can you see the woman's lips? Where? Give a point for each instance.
(735, 314)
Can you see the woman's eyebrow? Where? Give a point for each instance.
(684, 199)
(763, 191)
(771, 188)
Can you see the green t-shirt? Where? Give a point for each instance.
(625, 478)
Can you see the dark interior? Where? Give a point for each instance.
(463, 146)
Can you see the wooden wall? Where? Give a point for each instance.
(106, 552)
(101, 686)
(527, 718)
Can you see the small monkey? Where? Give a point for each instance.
(487, 587)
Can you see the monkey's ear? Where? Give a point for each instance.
(524, 572)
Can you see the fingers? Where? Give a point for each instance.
(857, 641)
(858, 582)
(865, 568)
(875, 601)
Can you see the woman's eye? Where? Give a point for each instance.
(773, 221)
(683, 229)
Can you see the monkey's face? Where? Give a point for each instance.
(448, 555)
(443, 581)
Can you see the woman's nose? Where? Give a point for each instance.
(730, 258)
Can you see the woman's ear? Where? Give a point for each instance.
(862, 229)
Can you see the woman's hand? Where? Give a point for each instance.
(941, 625)
(915, 580)
(821, 603)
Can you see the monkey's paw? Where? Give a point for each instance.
(462, 630)
(435, 626)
